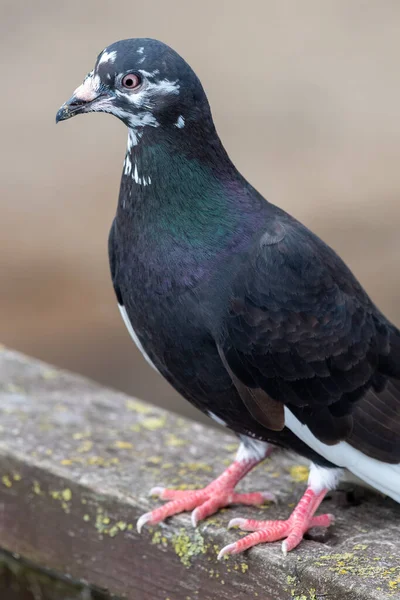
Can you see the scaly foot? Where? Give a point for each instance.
(293, 529)
(216, 495)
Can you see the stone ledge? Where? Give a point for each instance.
(77, 460)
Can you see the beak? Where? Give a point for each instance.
(83, 98)
(73, 106)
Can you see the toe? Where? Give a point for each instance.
(322, 521)
(249, 524)
(254, 498)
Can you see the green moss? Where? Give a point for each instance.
(187, 547)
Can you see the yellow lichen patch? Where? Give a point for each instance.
(86, 518)
(139, 407)
(6, 481)
(363, 567)
(105, 527)
(80, 435)
(66, 462)
(154, 423)
(188, 547)
(102, 462)
(154, 460)
(159, 540)
(36, 488)
(66, 495)
(230, 447)
(17, 477)
(360, 547)
(14, 389)
(394, 584)
(173, 441)
(197, 467)
(86, 446)
(49, 374)
(135, 427)
(123, 445)
(299, 473)
(63, 496)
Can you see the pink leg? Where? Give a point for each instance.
(293, 529)
(217, 494)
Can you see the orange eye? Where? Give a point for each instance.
(130, 81)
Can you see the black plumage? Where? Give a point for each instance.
(245, 311)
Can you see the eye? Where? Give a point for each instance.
(130, 81)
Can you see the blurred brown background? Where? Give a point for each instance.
(306, 96)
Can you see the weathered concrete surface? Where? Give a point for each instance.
(77, 460)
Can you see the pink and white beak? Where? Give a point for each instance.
(83, 98)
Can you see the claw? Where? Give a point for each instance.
(238, 522)
(193, 517)
(142, 521)
(270, 497)
(156, 491)
(229, 549)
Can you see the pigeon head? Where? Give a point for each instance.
(144, 83)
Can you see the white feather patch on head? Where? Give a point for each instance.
(149, 73)
(108, 57)
(151, 90)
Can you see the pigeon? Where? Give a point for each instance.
(245, 312)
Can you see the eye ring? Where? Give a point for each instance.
(130, 81)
